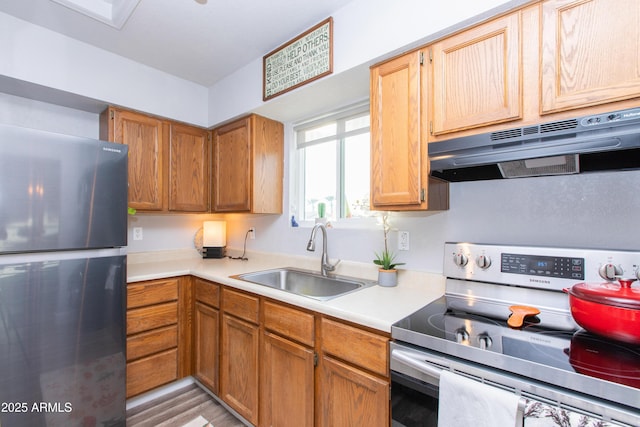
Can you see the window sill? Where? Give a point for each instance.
(370, 223)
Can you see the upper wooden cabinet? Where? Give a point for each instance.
(145, 137)
(248, 156)
(399, 157)
(168, 161)
(188, 169)
(476, 77)
(590, 53)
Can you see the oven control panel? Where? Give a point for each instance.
(539, 267)
(545, 266)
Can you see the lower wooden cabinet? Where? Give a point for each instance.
(287, 366)
(206, 333)
(206, 323)
(273, 363)
(352, 397)
(354, 376)
(239, 353)
(287, 383)
(151, 372)
(152, 334)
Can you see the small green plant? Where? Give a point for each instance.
(385, 259)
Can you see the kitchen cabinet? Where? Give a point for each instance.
(354, 376)
(248, 156)
(288, 364)
(249, 349)
(152, 334)
(476, 77)
(188, 168)
(399, 157)
(239, 354)
(589, 53)
(206, 326)
(168, 161)
(146, 138)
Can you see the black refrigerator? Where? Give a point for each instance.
(63, 236)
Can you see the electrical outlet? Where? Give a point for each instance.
(403, 240)
(137, 233)
(252, 233)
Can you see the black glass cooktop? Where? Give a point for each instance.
(470, 336)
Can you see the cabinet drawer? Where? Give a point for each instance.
(289, 322)
(151, 342)
(362, 348)
(207, 292)
(241, 305)
(151, 372)
(147, 318)
(148, 293)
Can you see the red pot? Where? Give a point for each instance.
(611, 310)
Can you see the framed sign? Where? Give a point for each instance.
(299, 61)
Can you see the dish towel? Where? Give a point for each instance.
(464, 402)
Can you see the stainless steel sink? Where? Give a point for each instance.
(306, 283)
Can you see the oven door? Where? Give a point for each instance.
(414, 403)
(415, 376)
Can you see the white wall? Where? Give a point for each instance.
(18, 111)
(38, 56)
(365, 31)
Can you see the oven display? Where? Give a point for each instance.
(547, 266)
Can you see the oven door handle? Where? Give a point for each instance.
(420, 364)
(414, 361)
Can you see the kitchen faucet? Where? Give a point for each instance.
(325, 265)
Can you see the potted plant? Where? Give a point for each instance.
(387, 273)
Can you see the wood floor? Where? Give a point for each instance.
(178, 408)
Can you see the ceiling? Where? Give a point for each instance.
(198, 40)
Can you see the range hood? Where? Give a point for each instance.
(608, 141)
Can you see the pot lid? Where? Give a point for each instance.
(616, 294)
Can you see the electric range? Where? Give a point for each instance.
(469, 323)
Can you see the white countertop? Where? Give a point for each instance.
(376, 307)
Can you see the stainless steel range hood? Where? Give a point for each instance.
(608, 141)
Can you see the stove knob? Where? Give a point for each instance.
(483, 261)
(485, 341)
(609, 271)
(460, 260)
(462, 335)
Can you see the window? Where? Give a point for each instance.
(332, 159)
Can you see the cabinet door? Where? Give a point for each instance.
(239, 366)
(477, 77)
(206, 351)
(286, 383)
(145, 137)
(188, 169)
(590, 52)
(399, 166)
(232, 167)
(351, 397)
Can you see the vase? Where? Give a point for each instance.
(387, 277)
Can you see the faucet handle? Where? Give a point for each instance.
(330, 267)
